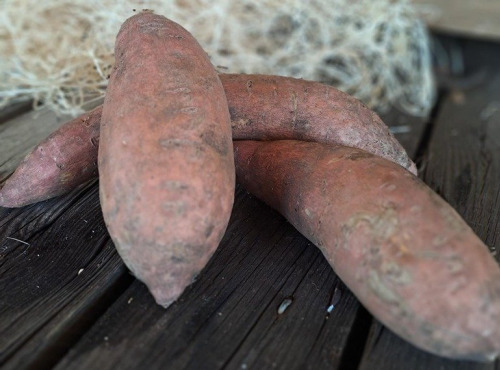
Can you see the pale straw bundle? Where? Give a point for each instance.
(59, 52)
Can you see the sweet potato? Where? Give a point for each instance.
(66, 159)
(402, 250)
(262, 108)
(276, 108)
(166, 166)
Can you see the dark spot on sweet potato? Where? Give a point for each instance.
(94, 141)
(426, 329)
(232, 112)
(220, 145)
(174, 208)
(209, 230)
(490, 294)
(174, 185)
(177, 259)
(301, 125)
(197, 250)
(238, 121)
(209, 83)
(176, 143)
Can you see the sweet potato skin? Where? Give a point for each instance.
(277, 108)
(166, 165)
(402, 250)
(60, 163)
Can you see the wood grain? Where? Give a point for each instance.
(57, 267)
(14, 110)
(462, 17)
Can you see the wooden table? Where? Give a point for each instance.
(68, 302)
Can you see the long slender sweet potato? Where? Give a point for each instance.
(262, 108)
(402, 250)
(166, 166)
(66, 159)
(276, 108)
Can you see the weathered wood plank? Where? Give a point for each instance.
(464, 158)
(16, 109)
(462, 17)
(57, 267)
(463, 165)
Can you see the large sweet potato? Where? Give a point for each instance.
(402, 250)
(262, 108)
(166, 165)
